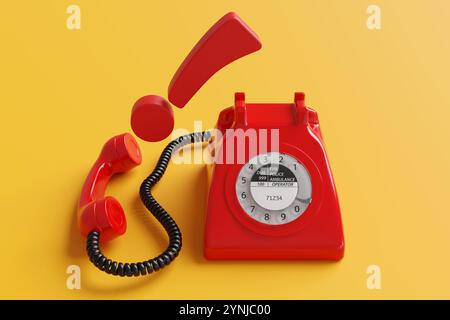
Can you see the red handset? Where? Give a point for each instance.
(102, 218)
(98, 212)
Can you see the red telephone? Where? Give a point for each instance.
(275, 201)
(272, 205)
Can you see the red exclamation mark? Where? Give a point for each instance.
(226, 41)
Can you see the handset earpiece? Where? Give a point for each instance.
(98, 212)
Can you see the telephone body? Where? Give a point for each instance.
(272, 205)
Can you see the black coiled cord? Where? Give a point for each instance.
(152, 265)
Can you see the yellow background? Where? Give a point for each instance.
(382, 96)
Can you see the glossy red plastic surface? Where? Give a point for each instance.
(317, 234)
(152, 118)
(97, 212)
(226, 41)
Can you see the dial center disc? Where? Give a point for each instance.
(274, 187)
